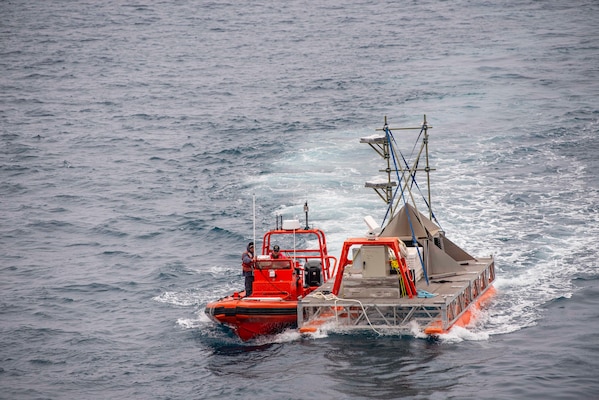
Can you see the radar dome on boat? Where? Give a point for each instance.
(291, 224)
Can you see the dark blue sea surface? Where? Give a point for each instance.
(134, 138)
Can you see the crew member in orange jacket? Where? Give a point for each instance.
(276, 253)
(247, 264)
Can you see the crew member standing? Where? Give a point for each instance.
(247, 264)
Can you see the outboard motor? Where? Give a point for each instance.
(312, 273)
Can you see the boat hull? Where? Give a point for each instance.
(436, 327)
(252, 317)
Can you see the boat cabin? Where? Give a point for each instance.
(305, 263)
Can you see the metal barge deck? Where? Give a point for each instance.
(375, 303)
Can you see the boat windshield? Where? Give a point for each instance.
(273, 264)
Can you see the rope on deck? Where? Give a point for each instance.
(331, 297)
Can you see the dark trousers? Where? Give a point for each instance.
(249, 281)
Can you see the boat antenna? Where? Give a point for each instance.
(254, 221)
(427, 169)
(306, 211)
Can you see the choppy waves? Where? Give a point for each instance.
(134, 138)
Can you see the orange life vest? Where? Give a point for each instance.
(247, 267)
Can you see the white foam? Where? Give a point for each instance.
(287, 336)
(459, 334)
(188, 323)
(182, 299)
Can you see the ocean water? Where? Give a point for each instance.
(135, 136)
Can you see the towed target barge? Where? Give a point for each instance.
(404, 277)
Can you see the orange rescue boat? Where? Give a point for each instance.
(278, 283)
